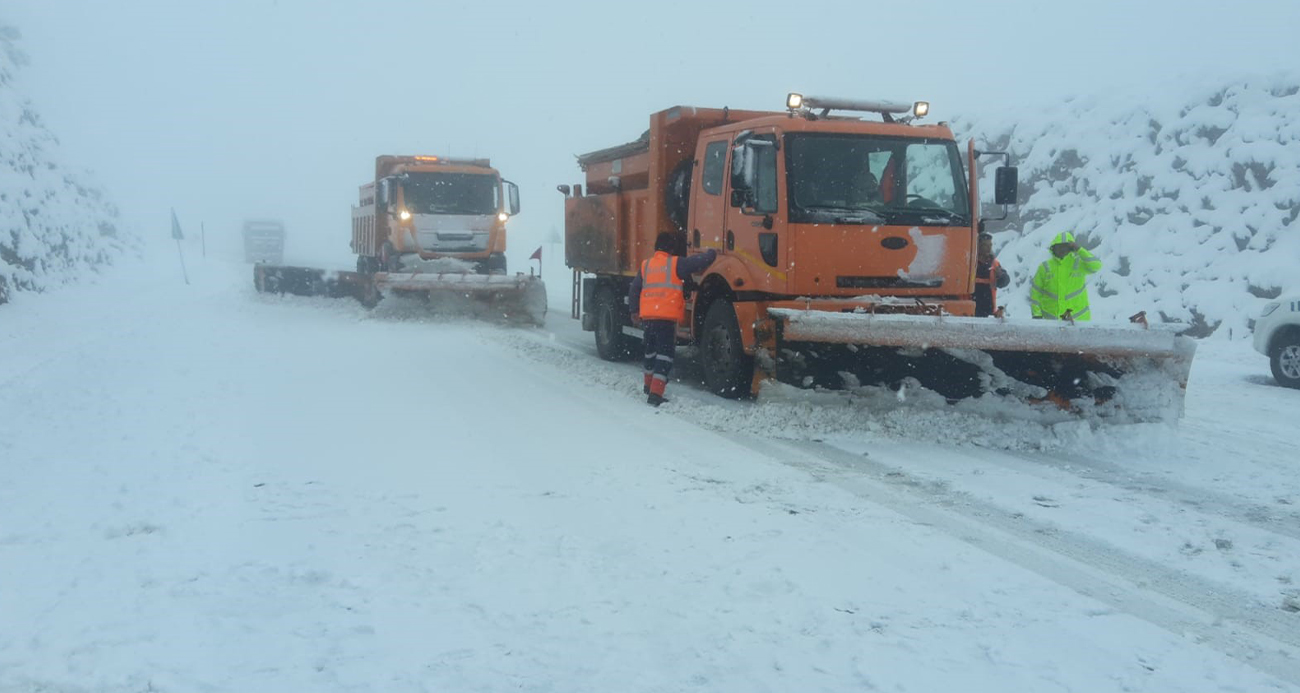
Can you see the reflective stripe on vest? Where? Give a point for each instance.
(661, 290)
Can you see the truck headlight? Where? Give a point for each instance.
(502, 216)
(404, 215)
(1269, 308)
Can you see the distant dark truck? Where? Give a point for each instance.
(264, 241)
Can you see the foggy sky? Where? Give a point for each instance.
(228, 109)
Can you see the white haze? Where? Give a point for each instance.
(226, 109)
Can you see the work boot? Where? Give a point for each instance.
(656, 400)
(646, 389)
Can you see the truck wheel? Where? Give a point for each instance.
(367, 264)
(677, 195)
(390, 259)
(1285, 358)
(728, 370)
(495, 264)
(611, 316)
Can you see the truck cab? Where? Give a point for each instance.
(433, 208)
(837, 210)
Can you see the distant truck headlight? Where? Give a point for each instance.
(502, 216)
(1269, 308)
(404, 215)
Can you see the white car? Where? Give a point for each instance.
(1277, 336)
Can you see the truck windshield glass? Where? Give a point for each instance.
(451, 193)
(869, 179)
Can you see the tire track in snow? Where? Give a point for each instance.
(1257, 515)
(1254, 515)
(1230, 621)
(1234, 623)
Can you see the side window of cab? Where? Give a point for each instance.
(715, 159)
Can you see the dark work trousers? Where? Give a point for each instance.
(660, 344)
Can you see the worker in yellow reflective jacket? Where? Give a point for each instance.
(1059, 289)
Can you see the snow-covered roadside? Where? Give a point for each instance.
(1205, 511)
(239, 492)
(56, 225)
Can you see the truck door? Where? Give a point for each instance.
(706, 212)
(755, 216)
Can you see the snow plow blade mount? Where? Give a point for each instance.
(512, 298)
(1125, 371)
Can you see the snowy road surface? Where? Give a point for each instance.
(204, 489)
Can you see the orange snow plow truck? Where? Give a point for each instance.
(432, 227)
(846, 234)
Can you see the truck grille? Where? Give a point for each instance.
(888, 282)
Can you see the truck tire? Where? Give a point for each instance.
(1284, 357)
(367, 264)
(728, 370)
(495, 264)
(611, 316)
(369, 296)
(677, 194)
(390, 259)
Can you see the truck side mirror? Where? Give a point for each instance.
(742, 169)
(512, 197)
(382, 195)
(1006, 186)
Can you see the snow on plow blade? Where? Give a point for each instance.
(1112, 369)
(514, 298)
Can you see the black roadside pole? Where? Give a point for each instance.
(176, 233)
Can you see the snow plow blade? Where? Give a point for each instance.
(513, 298)
(1130, 371)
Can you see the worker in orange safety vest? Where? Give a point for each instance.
(989, 277)
(656, 301)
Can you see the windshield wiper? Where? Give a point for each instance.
(848, 215)
(947, 214)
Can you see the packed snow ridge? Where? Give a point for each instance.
(1189, 197)
(55, 227)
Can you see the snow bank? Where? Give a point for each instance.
(55, 226)
(1189, 197)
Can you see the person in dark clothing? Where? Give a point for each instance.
(656, 300)
(989, 277)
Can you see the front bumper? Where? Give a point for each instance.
(1263, 333)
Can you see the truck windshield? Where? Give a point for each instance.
(451, 193)
(836, 178)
